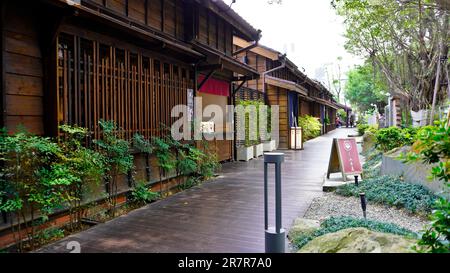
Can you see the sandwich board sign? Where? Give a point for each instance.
(344, 158)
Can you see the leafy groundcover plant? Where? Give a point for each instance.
(392, 191)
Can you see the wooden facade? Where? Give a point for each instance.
(284, 85)
(131, 61)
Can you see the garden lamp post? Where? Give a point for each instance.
(274, 236)
(363, 204)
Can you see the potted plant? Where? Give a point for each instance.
(258, 150)
(245, 152)
(245, 149)
(268, 144)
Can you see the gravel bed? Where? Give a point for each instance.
(331, 204)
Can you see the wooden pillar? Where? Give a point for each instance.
(396, 112)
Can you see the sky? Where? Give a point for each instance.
(309, 31)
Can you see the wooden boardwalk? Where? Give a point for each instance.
(222, 216)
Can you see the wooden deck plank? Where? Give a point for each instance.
(221, 216)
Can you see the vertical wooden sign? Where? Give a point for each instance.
(344, 158)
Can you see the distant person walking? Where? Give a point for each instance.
(338, 122)
(352, 120)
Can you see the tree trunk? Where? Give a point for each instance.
(437, 86)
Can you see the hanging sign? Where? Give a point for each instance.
(344, 158)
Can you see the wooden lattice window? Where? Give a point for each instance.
(98, 81)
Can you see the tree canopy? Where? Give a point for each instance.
(364, 88)
(404, 40)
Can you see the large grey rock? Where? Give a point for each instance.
(303, 226)
(359, 240)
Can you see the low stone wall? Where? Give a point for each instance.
(415, 173)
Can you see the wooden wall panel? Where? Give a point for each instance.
(33, 124)
(180, 20)
(154, 14)
(23, 85)
(18, 105)
(212, 35)
(203, 26)
(228, 39)
(221, 35)
(136, 10)
(305, 108)
(214, 32)
(21, 44)
(278, 96)
(169, 17)
(118, 6)
(23, 77)
(23, 65)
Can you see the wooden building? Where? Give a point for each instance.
(131, 61)
(325, 106)
(286, 86)
(76, 62)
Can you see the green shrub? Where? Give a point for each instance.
(334, 224)
(165, 158)
(143, 145)
(343, 114)
(35, 180)
(311, 127)
(46, 235)
(394, 137)
(142, 195)
(435, 238)
(84, 163)
(188, 160)
(118, 159)
(363, 128)
(190, 183)
(433, 147)
(392, 191)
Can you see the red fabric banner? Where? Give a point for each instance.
(215, 86)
